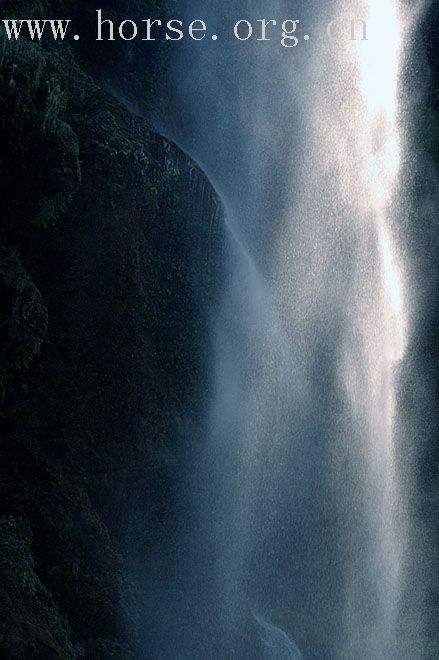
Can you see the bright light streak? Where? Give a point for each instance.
(379, 64)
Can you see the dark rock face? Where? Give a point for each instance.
(110, 240)
(31, 625)
(23, 317)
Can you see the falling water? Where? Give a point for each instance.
(295, 491)
(347, 262)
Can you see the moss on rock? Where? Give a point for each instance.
(31, 625)
(23, 317)
(109, 240)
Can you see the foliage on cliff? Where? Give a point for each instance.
(107, 233)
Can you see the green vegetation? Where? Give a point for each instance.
(103, 244)
(31, 625)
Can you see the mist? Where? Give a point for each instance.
(297, 536)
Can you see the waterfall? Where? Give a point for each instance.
(346, 262)
(297, 507)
